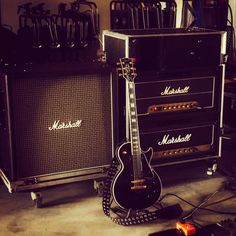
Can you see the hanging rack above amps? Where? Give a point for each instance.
(130, 14)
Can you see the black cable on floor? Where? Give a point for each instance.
(199, 208)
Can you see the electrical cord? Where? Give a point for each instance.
(220, 201)
(190, 214)
(199, 207)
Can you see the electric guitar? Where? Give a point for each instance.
(136, 185)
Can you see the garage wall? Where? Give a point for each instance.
(10, 17)
(9, 10)
(233, 6)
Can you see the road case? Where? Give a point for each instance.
(166, 49)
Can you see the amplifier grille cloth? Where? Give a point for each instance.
(39, 102)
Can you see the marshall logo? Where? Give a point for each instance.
(171, 140)
(171, 91)
(65, 125)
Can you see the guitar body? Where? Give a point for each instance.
(126, 192)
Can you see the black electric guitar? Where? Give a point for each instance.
(136, 185)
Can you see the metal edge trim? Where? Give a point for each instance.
(66, 174)
(112, 116)
(185, 128)
(223, 43)
(20, 187)
(182, 79)
(9, 128)
(222, 94)
(184, 161)
(124, 36)
(6, 181)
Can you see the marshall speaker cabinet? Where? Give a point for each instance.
(56, 125)
(179, 93)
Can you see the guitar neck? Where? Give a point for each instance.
(133, 120)
(134, 131)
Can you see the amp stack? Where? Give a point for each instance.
(179, 91)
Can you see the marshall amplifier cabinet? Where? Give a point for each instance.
(56, 125)
(166, 49)
(182, 143)
(156, 95)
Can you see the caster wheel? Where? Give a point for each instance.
(38, 203)
(37, 198)
(211, 169)
(99, 186)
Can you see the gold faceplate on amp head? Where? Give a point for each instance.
(182, 151)
(171, 107)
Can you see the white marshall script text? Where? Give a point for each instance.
(64, 125)
(170, 140)
(170, 91)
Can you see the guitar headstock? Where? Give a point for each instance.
(127, 68)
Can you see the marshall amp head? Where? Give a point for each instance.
(182, 94)
(186, 97)
(182, 143)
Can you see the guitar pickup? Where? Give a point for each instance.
(137, 184)
(137, 187)
(173, 107)
(137, 181)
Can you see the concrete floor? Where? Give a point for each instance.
(76, 210)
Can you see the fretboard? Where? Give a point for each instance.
(134, 132)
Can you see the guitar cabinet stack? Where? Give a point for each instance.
(179, 91)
